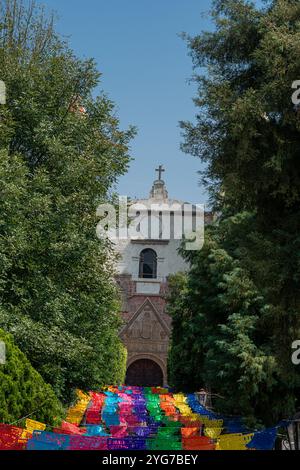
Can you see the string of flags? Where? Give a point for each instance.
(137, 418)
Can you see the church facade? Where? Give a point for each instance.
(144, 267)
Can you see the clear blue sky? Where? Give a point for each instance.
(145, 67)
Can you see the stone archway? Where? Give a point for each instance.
(144, 373)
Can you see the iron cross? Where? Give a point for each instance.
(160, 170)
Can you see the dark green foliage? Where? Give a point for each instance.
(23, 391)
(247, 129)
(184, 370)
(226, 334)
(238, 311)
(57, 164)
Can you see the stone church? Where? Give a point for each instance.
(143, 270)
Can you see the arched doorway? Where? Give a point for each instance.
(144, 373)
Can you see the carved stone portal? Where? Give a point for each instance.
(146, 337)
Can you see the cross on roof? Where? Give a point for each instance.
(160, 170)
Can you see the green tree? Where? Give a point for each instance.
(225, 332)
(23, 392)
(247, 130)
(62, 152)
(244, 285)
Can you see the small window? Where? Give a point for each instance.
(148, 264)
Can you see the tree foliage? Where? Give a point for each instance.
(238, 313)
(226, 334)
(61, 153)
(247, 130)
(23, 392)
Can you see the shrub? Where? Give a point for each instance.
(22, 389)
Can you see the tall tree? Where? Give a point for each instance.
(247, 130)
(226, 328)
(244, 285)
(62, 152)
